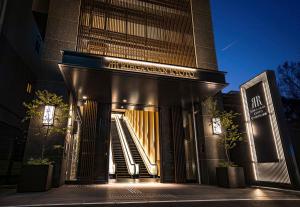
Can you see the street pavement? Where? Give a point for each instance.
(151, 194)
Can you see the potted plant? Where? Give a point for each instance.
(49, 113)
(228, 174)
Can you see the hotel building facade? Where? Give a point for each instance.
(153, 63)
(136, 73)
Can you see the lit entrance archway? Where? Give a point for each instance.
(154, 104)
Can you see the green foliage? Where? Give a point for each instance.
(39, 161)
(35, 112)
(289, 79)
(230, 134)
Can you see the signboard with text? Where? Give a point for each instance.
(261, 126)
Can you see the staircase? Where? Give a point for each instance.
(121, 168)
(135, 153)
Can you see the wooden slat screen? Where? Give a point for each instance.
(102, 143)
(178, 140)
(87, 142)
(166, 147)
(149, 30)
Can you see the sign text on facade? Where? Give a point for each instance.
(174, 72)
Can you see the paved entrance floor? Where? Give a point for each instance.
(151, 194)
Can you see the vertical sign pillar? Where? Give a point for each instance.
(272, 159)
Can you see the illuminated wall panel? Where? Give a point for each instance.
(146, 129)
(155, 31)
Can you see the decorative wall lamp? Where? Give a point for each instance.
(48, 118)
(216, 126)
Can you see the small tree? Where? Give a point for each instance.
(35, 111)
(230, 134)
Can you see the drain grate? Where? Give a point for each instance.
(132, 196)
(134, 191)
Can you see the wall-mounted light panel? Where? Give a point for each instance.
(216, 125)
(48, 118)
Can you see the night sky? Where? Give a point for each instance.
(254, 35)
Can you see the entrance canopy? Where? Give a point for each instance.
(129, 83)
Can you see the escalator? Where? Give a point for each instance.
(143, 173)
(121, 168)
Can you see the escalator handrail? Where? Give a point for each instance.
(151, 167)
(112, 165)
(132, 167)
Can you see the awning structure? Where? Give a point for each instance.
(129, 83)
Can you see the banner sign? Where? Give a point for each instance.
(261, 124)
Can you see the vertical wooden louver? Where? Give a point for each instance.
(178, 140)
(148, 30)
(172, 145)
(102, 143)
(166, 146)
(94, 142)
(87, 142)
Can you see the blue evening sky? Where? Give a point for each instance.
(254, 35)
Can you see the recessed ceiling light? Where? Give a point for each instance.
(84, 97)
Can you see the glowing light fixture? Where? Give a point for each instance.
(217, 127)
(48, 118)
(84, 97)
(124, 100)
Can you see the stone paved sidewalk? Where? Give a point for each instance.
(150, 194)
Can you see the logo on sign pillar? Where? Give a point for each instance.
(258, 108)
(256, 102)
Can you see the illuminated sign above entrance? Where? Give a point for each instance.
(150, 68)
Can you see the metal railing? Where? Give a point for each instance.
(132, 167)
(112, 165)
(151, 167)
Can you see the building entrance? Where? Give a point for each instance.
(138, 119)
(135, 146)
